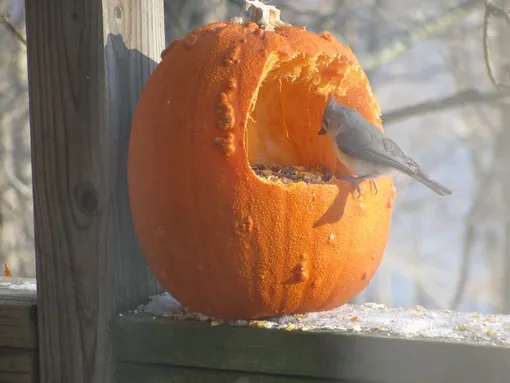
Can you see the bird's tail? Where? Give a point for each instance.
(430, 183)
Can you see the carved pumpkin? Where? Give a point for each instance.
(221, 240)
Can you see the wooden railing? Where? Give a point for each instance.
(18, 331)
(354, 343)
(370, 343)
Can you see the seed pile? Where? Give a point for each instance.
(289, 174)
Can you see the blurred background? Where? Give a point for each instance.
(441, 72)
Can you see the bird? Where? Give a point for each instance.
(366, 151)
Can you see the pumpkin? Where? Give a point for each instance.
(223, 241)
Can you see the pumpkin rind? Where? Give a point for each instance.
(222, 241)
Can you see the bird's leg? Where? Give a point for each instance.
(356, 180)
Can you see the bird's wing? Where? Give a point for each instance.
(367, 143)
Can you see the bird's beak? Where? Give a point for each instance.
(322, 131)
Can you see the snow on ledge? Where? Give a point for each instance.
(23, 284)
(369, 318)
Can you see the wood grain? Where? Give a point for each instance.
(9, 377)
(142, 373)
(18, 325)
(87, 63)
(325, 354)
(18, 365)
(18, 320)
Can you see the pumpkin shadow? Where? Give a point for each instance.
(120, 64)
(336, 211)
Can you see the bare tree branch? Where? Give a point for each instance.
(11, 28)
(469, 238)
(496, 11)
(484, 177)
(467, 96)
(321, 19)
(430, 27)
(23, 190)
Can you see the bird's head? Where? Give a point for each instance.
(333, 117)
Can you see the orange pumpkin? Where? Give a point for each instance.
(221, 240)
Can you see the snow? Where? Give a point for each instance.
(162, 303)
(368, 318)
(19, 285)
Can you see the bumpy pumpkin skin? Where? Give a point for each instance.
(222, 241)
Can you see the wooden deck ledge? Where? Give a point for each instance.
(18, 330)
(369, 343)
(354, 343)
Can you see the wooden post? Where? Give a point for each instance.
(87, 62)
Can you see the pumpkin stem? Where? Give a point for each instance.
(264, 15)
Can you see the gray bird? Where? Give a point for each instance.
(367, 151)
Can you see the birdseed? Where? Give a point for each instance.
(290, 174)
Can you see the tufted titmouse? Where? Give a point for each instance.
(366, 150)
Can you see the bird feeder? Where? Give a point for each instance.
(228, 201)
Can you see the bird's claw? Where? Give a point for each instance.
(355, 182)
(375, 187)
(358, 189)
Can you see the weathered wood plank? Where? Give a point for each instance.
(8, 377)
(144, 373)
(87, 63)
(18, 321)
(325, 354)
(18, 365)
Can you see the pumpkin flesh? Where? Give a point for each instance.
(221, 240)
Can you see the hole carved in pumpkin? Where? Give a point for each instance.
(281, 137)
